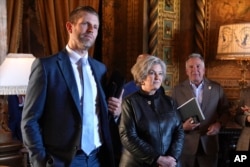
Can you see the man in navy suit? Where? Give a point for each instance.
(52, 116)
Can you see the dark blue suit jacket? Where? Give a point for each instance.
(51, 120)
(15, 114)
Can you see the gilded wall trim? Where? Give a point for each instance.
(200, 29)
(153, 26)
(164, 37)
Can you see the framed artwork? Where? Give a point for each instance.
(168, 82)
(168, 29)
(168, 55)
(169, 5)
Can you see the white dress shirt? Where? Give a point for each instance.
(74, 58)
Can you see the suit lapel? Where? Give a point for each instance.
(206, 91)
(68, 74)
(188, 92)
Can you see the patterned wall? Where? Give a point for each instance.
(168, 26)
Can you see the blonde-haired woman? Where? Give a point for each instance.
(150, 127)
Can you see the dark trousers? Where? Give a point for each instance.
(94, 159)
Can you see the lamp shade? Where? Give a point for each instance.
(234, 42)
(14, 73)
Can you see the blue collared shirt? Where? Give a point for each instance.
(198, 91)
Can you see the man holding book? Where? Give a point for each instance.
(201, 144)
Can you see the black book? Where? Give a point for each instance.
(191, 108)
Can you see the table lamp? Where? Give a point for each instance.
(234, 44)
(14, 77)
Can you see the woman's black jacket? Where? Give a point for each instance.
(150, 126)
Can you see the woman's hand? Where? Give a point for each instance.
(166, 161)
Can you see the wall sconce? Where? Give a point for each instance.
(14, 77)
(234, 44)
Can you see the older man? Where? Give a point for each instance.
(201, 143)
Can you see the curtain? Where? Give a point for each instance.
(52, 16)
(14, 24)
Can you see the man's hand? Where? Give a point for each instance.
(189, 124)
(214, 129)
(114, 105)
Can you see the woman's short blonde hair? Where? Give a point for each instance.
(141, 68)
